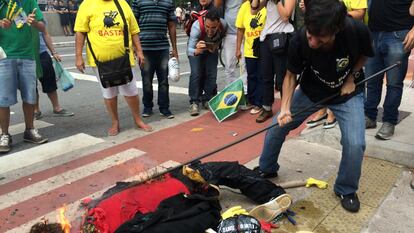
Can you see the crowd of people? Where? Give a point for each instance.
(67, 10)
(339, 44)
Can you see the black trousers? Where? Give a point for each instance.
(272, 71)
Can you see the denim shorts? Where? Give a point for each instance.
(17, 74)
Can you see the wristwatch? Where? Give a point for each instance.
(356, 74)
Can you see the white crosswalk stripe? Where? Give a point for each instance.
(68, 177)
(19, 128)
(46, 151)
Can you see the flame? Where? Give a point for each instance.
(64, 222)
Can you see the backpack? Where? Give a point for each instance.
(194, 15)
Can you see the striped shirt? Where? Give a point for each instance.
(153, 17)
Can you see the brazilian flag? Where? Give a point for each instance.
(225, 103)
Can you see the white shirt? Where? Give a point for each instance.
(274, 23)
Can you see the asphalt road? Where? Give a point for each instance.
(86, 101)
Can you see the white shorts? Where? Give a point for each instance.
(129, 89)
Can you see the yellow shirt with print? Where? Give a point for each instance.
(103, 23)
(252, 25)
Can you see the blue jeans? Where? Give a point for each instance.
(204, 64)
(254, 82)
(350, 116)
(388, 50)
(155, 62)
(17, 74)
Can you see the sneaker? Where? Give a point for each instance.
(204, 105)
(167, 114)
(63, 113)
(246, 107)
(5, 143)
(194, 110)
(38, 115)
(370, 124)
(263, 174)
(313, 123)
(386, 131)
(33, 136)
(264, 115)
(147, 112)
(256, 110)
(330, 125)
(350, 202)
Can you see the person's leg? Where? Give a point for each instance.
(147, 73)
(194, 82)
(395, 77)
(211, 61)
(275, 136)
(230, 60)
(8, 91)
(133, 103)
(27, 86)
(251, 68)
(350, 116)
(374, 86)
(163, 86)
(111, 103)
(130, 93)
(112, 108)
(279, 63)
(266, 74)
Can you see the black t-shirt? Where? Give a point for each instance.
(390, 15)
(322, 73)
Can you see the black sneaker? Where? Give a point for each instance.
(265, 175)
(167, 114)
(33, 136)
(369, 123)
(147, 112)
(350, 202)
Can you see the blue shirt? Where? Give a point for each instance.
(153, 17)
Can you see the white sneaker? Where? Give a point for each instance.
(173, 69)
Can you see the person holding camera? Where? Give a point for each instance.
(202, 50)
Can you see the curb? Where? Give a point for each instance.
(72, 43)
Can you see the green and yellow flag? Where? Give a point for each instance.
(225, 103)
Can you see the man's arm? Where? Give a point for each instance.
(349, 84)
(192, 49)
(79, 43)
(411, 10)
(49, 43)
(286, 10)
(240, 35)
(357, 14)
(218, 3)
(138, 49)
(257, 5)
(173, 37)
(288, 88)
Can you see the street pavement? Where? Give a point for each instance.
(81, 161)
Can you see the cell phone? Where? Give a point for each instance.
(210, 45)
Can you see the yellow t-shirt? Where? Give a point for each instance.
(252, 24)
(104, 25)
(355, 4)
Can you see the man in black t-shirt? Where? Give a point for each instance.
(328, 53)
(392, 30)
